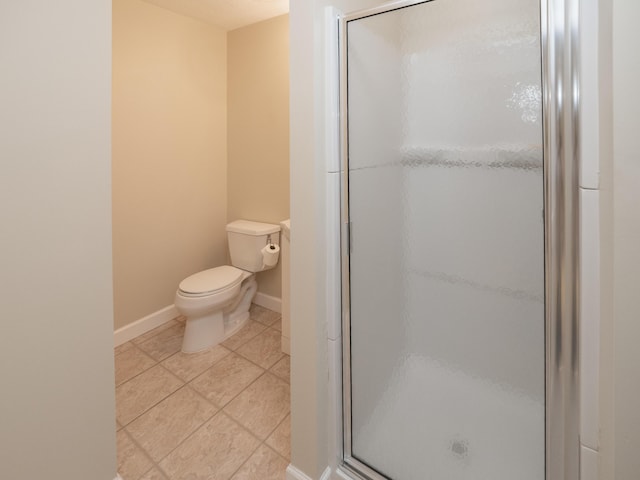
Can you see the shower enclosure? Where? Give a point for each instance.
(459, 241)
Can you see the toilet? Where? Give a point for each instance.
(216, 301)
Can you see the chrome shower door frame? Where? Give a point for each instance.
(561, 101)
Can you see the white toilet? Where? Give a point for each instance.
(216, 301)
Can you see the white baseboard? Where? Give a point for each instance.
(137, 328)
(589, 460)
(341, 474)
(294, 474)
(267, 301)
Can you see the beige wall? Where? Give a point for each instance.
(626, 223)
(607, 346)
(56, 334)
(309, 370)
(311, 433)
(312, 436)
(258, 128)
(620, 233)
(169, 154)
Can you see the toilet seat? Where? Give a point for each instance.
(212, 281)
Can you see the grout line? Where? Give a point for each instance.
(288, 380)
(266, 327)
(242, 427)
(226, 356)
(277, 427)
(251, 361)
(264, 368)
(288, 460)
(275, 329)
(246, 388)
(159, 401)
(162, 471)
(216, 412)
(260, 442)
(228, 352)
(139, 447)
(219, 409)
(163, 327)
(241, 391)
(279, 315)
(247, 459)
(164, 342)
(139, 373)
(152, 467)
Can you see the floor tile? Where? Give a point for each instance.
(169, 413)
(142, 392)
(153, 474)
(132, 461)
(170, 422)
(152, 333)
(282, 368)
(226, 379)
(122, 348)
(264, 349)
(261, 407)
(264, 464)
(188, 366)
(214, 452)
(165, 343)
(242, 336)
(280, 439)
(263, 315)
(130, 363)
(277, 325)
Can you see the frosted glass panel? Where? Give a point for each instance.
(447, 241)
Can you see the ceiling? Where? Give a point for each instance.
(226, 14)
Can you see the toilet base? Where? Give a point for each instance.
(235, 323)
(208, 330)
(203, 332)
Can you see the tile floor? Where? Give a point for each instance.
(216, 415)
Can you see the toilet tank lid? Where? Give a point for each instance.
(252, 228)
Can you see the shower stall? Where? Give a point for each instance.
(459, 240)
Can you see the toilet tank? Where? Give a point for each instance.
(246, 241)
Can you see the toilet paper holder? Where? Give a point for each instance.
(270, 254)
(272, 246)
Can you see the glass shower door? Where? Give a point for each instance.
(444, 196)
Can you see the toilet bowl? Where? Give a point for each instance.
(216, 301)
